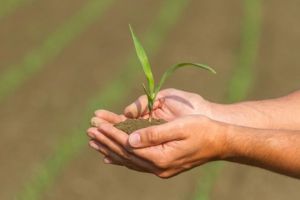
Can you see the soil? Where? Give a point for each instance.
(131, 125)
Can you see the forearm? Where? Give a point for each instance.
(275, 150)
(281, 113)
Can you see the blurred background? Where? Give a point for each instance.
(60, 60)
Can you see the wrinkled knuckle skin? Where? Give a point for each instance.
(152, 136)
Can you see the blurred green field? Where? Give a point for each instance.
(60, 60)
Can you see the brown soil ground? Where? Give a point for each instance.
(35, 117)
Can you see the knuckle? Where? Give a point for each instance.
(152, 136)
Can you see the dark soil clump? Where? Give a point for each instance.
(131, 125)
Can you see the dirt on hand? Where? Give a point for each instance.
(131, 125)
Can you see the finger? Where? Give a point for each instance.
(122, 139)
(163, 114)
(109, 116)
(135, 168)
(96, 135)
(118, 150)
(108, 160)
(169, 173)
(131, 162)
(105, 151)
(138, 108)
(114, 134)
(156, 135)
(112, 158)
(96, 121)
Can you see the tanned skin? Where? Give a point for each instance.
(264, 133)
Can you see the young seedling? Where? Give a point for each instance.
(152, 90)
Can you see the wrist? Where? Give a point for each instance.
(223, 140)
(240, 114)
(238, 143)
(215, 135)
(228, 151)
(220, 112)
(206, 108)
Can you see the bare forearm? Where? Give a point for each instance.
(275, 150)
(281, 113)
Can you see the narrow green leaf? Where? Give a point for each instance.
(144, 61)
(146, 91)
(172, 69)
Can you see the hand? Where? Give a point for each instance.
(164, 150)
(118, 153)
(170, 104)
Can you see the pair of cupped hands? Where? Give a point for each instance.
(189, 138)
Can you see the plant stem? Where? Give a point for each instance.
(150, 115)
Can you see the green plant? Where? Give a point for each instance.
(151, 91)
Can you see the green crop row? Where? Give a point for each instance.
(241, 82)
(34, 61)
(8, 6)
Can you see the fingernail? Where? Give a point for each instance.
(95, 122)
(134, 139)
(107, 161)
(94, 145)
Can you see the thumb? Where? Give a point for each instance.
(154, 135)
(138, 108)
